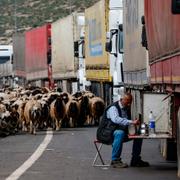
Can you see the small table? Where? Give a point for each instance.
(152, 136)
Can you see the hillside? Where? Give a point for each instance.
(25, 14)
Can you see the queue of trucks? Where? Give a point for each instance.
(151, 64)
(56, 54)
(112, 46)
(78, 59)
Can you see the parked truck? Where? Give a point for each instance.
(6, 72)
(65, 64)
(104, 71)
(152, 73)
(38, 56)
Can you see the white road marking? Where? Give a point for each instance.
(34, 157)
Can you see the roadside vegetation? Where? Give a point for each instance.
(25, 14)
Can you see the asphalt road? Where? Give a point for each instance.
(69, 156)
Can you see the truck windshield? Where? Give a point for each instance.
(5, 54)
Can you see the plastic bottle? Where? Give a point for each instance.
(151, 123)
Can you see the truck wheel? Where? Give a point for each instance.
(178, 141)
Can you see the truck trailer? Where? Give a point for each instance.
(19, 58)
(65, 64)
(103, 70)
(38, 55)
(151, 68)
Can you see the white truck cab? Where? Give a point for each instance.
(79, 52)
(6, 70)
(114, 46)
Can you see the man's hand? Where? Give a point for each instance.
(136, 122)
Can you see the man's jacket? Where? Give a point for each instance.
(107, 127)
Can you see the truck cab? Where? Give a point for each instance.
(79, 52)
(114, 46)
(6, 60)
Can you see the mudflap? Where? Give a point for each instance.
(171, 150)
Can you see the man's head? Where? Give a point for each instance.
(126, 100)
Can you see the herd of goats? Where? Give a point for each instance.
(39, 108)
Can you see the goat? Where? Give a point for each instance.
(57, 112)
(72, 112)
(32, 114)
(97, 107)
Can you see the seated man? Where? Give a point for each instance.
(119, 114)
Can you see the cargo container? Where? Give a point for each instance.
(38, 54)
(19, 57)
(6, 72)
(163, 39)
(65, 32)
(96, 58)
(151, 68)
(136, 57)
(103, 70)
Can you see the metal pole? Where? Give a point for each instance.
(70, 9)
(15, 18)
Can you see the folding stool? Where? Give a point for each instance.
(98, 145)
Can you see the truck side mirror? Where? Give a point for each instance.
(175, 6)
(49, 41)
(114, 41)
(109, 46)
(83, 48)
(49, 57)
(121, 48)
(12, 59)
(76, 49)
(144, 42)
(121, 43)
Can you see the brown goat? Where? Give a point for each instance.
(32, 114)
(72, 112)
(57, 112)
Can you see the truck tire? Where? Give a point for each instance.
(178, 141)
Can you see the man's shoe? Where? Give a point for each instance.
(118, 164)
(139, 163)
